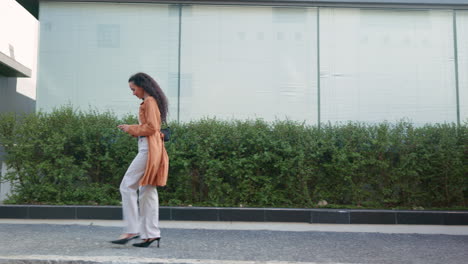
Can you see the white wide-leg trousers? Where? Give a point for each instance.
(145, 223)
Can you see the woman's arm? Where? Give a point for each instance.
(151, 123)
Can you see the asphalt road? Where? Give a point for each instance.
(44, 243)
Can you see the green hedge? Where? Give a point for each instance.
(72, 157)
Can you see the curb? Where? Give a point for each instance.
(48, 259)
(313, 216)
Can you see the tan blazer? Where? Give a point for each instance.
(157, 165)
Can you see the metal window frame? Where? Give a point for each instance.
(408, 4)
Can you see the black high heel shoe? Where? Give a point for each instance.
(146, 243)
(124, 241)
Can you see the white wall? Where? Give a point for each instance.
(249, 62)
(237, 62)
(88, 51)
(387, 65)
(462, 37)
(256, 62)
(20, 30)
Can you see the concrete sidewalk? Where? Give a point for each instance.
(273, 226)
(86, 241)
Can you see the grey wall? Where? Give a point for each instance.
(11, 100)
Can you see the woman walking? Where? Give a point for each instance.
(150, 166)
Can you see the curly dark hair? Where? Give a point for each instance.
(146, 82)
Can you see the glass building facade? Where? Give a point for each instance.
(308, 64)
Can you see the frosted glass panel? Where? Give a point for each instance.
(88, 51)
(248, 62)
(387, 65)
(462, 37)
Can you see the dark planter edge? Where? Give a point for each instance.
(298, 215)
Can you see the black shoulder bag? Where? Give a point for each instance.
(167, 132)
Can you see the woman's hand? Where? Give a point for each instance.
(123, 128)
